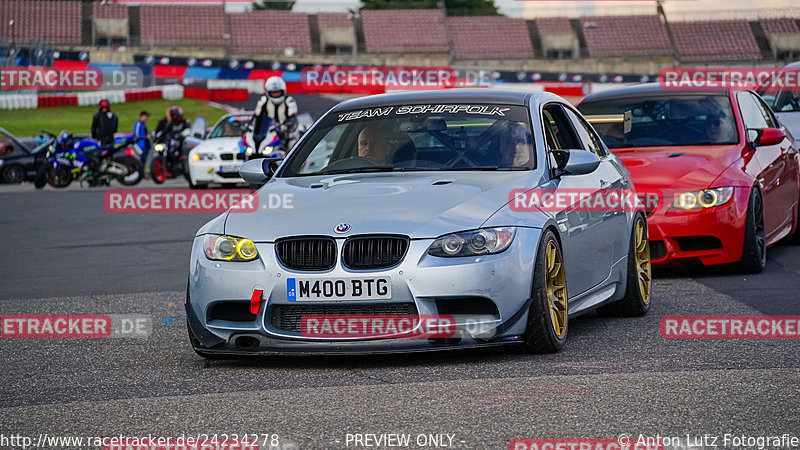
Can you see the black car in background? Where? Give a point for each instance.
(20, 158)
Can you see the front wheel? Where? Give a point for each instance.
(754, 249)
(638, 287)
(546, 331)
(13, 173)
(134, 170)
(158, 170)
(58, 176)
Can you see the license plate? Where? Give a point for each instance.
(227, 168)
(334, 289)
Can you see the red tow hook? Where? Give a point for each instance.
(255, 300)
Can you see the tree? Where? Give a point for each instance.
(261, 5)
(454, 7)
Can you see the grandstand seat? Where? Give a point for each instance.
(269, 31)
(61, 25)
(719, 40)
(182, 25)
(621, 36)
(404, 31)
(490, 37)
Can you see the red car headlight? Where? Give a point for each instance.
(707, 198)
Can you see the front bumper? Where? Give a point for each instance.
(209, 172)
(710, 236)
(435, 286)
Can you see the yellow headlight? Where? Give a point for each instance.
(246, 249)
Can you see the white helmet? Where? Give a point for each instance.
(275, 88)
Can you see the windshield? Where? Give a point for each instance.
(417, 137)
(663, 121)
(233, 126)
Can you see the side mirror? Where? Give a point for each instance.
(765, 136)
(575, 162)
(256, 172)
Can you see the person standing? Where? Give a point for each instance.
(142, 135)
(104, 124)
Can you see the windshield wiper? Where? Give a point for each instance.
(363, 170)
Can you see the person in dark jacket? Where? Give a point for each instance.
(104, 124)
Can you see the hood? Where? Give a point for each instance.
(219, 145)
(677, 167)
(419, 205)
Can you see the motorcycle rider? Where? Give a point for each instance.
(104, 123)
(174, 126)
(279, 107)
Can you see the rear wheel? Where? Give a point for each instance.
(546, 330)
(638, 287)
(754, 250)
(135, 171)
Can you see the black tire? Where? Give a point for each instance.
(198, 185)
(638, 282)
(794, 238)
(134, 166)
(540, 334)
(13, 173)
(58, 177)
(754, 249)
(40, 181)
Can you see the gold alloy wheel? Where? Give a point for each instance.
(643, 271)
(556, 289)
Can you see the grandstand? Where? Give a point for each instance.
(637, 42)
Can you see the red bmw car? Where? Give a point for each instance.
(726, 172)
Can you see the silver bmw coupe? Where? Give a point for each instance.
(420, 221)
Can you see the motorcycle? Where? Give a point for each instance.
(71, 159)
(169, 159)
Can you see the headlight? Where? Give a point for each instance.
(249, 151)
(470, 243)
(160, 147)
(703, 199)
(267, 150)
(202, 156)
(228, 248)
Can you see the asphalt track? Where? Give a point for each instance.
(63, 253)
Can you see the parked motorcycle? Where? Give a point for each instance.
(85, 160)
